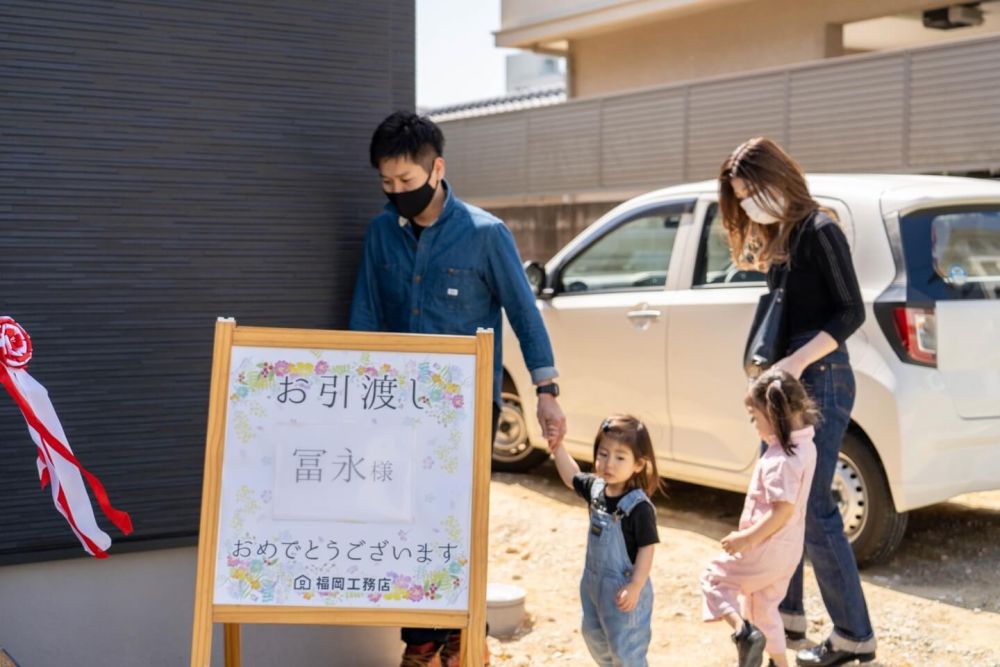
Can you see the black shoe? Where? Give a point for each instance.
(749, 645)
(825, 655)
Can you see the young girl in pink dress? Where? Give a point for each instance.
(745, 584)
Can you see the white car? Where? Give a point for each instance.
(648, 316)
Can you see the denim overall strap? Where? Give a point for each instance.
(606, 552)
(631, 500)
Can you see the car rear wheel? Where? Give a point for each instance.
(512, 451)
(871, 522)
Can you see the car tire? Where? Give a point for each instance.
(871, 522)
(512, 450)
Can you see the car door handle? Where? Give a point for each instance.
(644, 314)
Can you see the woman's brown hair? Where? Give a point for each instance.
(769, 173)
(785, 402)
(632, 433)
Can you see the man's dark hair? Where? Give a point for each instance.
(406, 134)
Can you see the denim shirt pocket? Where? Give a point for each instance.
(461, 290)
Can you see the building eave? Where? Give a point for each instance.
(597, 19)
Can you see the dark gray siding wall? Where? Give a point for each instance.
(162, 164)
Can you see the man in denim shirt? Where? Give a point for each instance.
(434, 264)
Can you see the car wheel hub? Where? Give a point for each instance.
(511, 441)
(851, 495)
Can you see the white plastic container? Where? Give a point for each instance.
(504, 608)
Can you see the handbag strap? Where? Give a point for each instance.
(797, 234)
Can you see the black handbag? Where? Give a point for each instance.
(768, 338)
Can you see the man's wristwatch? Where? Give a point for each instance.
(550, 388)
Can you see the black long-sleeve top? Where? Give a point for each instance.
(822, 289)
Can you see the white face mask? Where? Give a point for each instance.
(758, 214)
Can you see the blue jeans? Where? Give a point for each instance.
(830, 383)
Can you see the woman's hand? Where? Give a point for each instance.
(791, 366)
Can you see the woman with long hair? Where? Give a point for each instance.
(775, 225)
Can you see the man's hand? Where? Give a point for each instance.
(551, 419)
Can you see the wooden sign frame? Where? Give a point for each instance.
(472, 621)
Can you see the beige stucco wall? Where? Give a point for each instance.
(724, 40)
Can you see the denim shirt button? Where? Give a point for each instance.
(416, 311)
(416, 279)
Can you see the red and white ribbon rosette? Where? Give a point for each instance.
(56, 463)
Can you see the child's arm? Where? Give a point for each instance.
(628, 596)
(741, 541)
(565, 464)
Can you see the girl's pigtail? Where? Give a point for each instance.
(779, 414)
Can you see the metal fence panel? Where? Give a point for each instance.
(564, 148)
(848, 117)
(955, 106)
(724, 114)
(934, 108)
(494, 154)
(642, 139)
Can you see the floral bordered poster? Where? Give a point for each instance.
(346, 479)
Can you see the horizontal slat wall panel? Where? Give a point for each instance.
(642, 139)
(723, 114)
(564, 144)
(848, 117)
(955, 106)
(933, 108)
(494, 156)
(162, 164)
(457, 143)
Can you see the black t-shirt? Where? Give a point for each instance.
(822, 289)
(638, 528)
(418, 229)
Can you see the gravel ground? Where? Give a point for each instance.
(936, 603)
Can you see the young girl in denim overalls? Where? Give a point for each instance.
(746, 584)
(615, 590)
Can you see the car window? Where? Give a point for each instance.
(633, 255)
(952, 254)
(714, 264)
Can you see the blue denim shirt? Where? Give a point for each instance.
(454, 280)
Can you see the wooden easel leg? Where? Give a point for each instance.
(473, 648)
(231, 632)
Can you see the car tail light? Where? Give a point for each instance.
(917, 330)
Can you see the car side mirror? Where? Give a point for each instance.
(536, 278)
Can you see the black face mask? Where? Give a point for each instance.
(413, 203)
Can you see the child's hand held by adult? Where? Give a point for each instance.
(551, 419)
